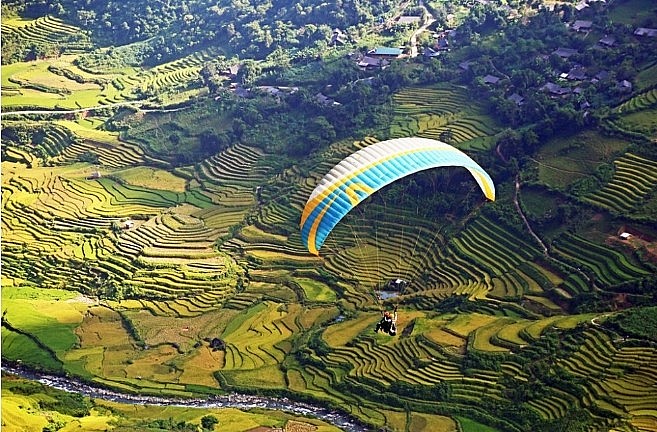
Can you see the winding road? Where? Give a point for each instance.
(430, 20)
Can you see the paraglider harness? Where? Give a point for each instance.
(388, 323)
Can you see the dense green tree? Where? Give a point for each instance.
(208, 422)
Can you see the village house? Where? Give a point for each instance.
(582, 25)
(607, 41)
(555, 89)
(430, 52)
(465, 65)
(325, 100)
(385, 52)
(517, 99)
(278, 90)
(274, 91)
(408, 19)
(369, 63)
(338, 38)
(644, 31)
(128, 224)
(231, 71)
(442, 44)
(242, 92)
(564, 52)
(625, 86)
(600, 76)
(576, 74)
(581, 6)
(491, 80)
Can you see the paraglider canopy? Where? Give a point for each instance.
(366, 171)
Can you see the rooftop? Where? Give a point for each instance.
(582, 25)
(491, 79)
(607, 41)
(516, 98)
(564, 52)
(555, 89)
(371, 61)
(644, 31)
(408, 19)
(386, 51)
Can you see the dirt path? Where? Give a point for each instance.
(546, 251)
(136, 104)
(557, 169)
(430, 20)
(524, 219)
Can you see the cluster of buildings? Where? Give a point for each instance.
(573, 81)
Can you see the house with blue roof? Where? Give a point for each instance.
(385, 52)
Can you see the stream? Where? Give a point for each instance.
(232, 400)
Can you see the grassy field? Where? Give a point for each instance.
(316, 291)
(50, 317)
(152, 178)
(565, 160)
(469, 425)
(630, 12)
(642, 121)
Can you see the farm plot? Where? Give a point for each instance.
(624, 374)
(640, 102)
(236, 165)
(608, 266)
(174, 75)
(47, 317)
(49, 31)
(634, 178)
(253, 338)
(563, 161)
(105, 146)
(43, 140)
(51, 83)
(439, 113)
(643, 122)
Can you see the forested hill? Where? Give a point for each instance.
(255, 27)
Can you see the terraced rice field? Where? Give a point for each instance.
(48, 30)
(608, 267)
(175, 75)
(625, 374)
(58, 212)
(634, 178)
(58, 82)
(642, 101)
(213, 287)
(439, 113)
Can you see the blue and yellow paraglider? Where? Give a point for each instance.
(366, 171)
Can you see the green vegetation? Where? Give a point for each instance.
(469, 425)
(639, 322)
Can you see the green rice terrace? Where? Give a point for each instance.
(129, 270)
